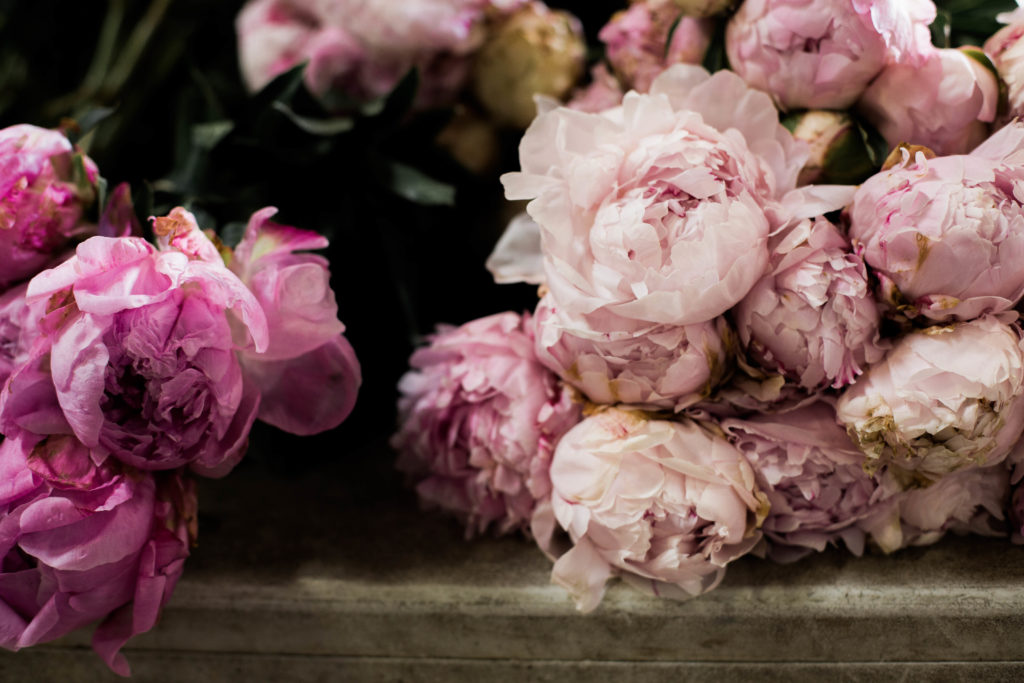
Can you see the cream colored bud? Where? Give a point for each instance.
(535, 51)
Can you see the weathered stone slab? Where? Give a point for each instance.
(336, 575)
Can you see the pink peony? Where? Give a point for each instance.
(44, 188)
(966, 502)
(137, 356)
(944, 104)
(308, 376)
(946, 235)
(657, 366)
(603, 92)
(666, 505)
(822, 54)
(813, 318)
(478, 420)
(15, 330)
(943, 399)
(361, 50)
(81, 542)
(813, 476)
(637, 42)
(654, 211)
(1006, 50)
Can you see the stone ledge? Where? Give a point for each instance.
(336, 571)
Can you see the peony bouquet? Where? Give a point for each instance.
(128, 369)
(778, 302)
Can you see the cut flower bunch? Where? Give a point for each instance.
(778, 302)
(128, 369)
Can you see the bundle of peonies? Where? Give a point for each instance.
(357, 51)
(126, 369)
(764, 366)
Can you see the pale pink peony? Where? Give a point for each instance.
(967, 502)
(813, 318)
(1006, 50)
(822, 54)
(814, 479)
(361, 50)
(637, 42)
(603, 92)
(666, 505)
(45, 186)
(945, 103)
(943, 399)
(655, 211)
(81, 542)
(137, 358)
(656, 366)
(478, 420)
(308, 376)
(946, 235)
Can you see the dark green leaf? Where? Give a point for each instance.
(207, 135)
(322, 127)
(414, 185)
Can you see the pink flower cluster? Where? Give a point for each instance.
(360, 49)
(126, 369)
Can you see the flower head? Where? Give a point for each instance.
(45, 186)
(666, 505)
(479, 418)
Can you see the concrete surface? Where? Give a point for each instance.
(333, 574)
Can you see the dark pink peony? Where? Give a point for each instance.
(81, 542)
(479, 418)
(308, 376)
(137, 355)
(44, 188)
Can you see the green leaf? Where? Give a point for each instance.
(313, 126)
(207, 135)
(87, 121)
(715, 58)
(414, 185)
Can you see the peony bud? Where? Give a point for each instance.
(535, 51)
(841, 151)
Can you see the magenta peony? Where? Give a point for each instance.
(308, 376)
(946, 235)
(44, 188)
(137, 356)
(478, 420)
(666, 505)
(967, 502)
(943, 399)
(813, 476)
(657, 366)
(822, 54)
(945, 103)
(15, 330)
(82, 542)
(637, 42)
(654, 211)
(813, 318)
(362, 49)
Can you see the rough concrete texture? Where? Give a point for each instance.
(335, 574)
